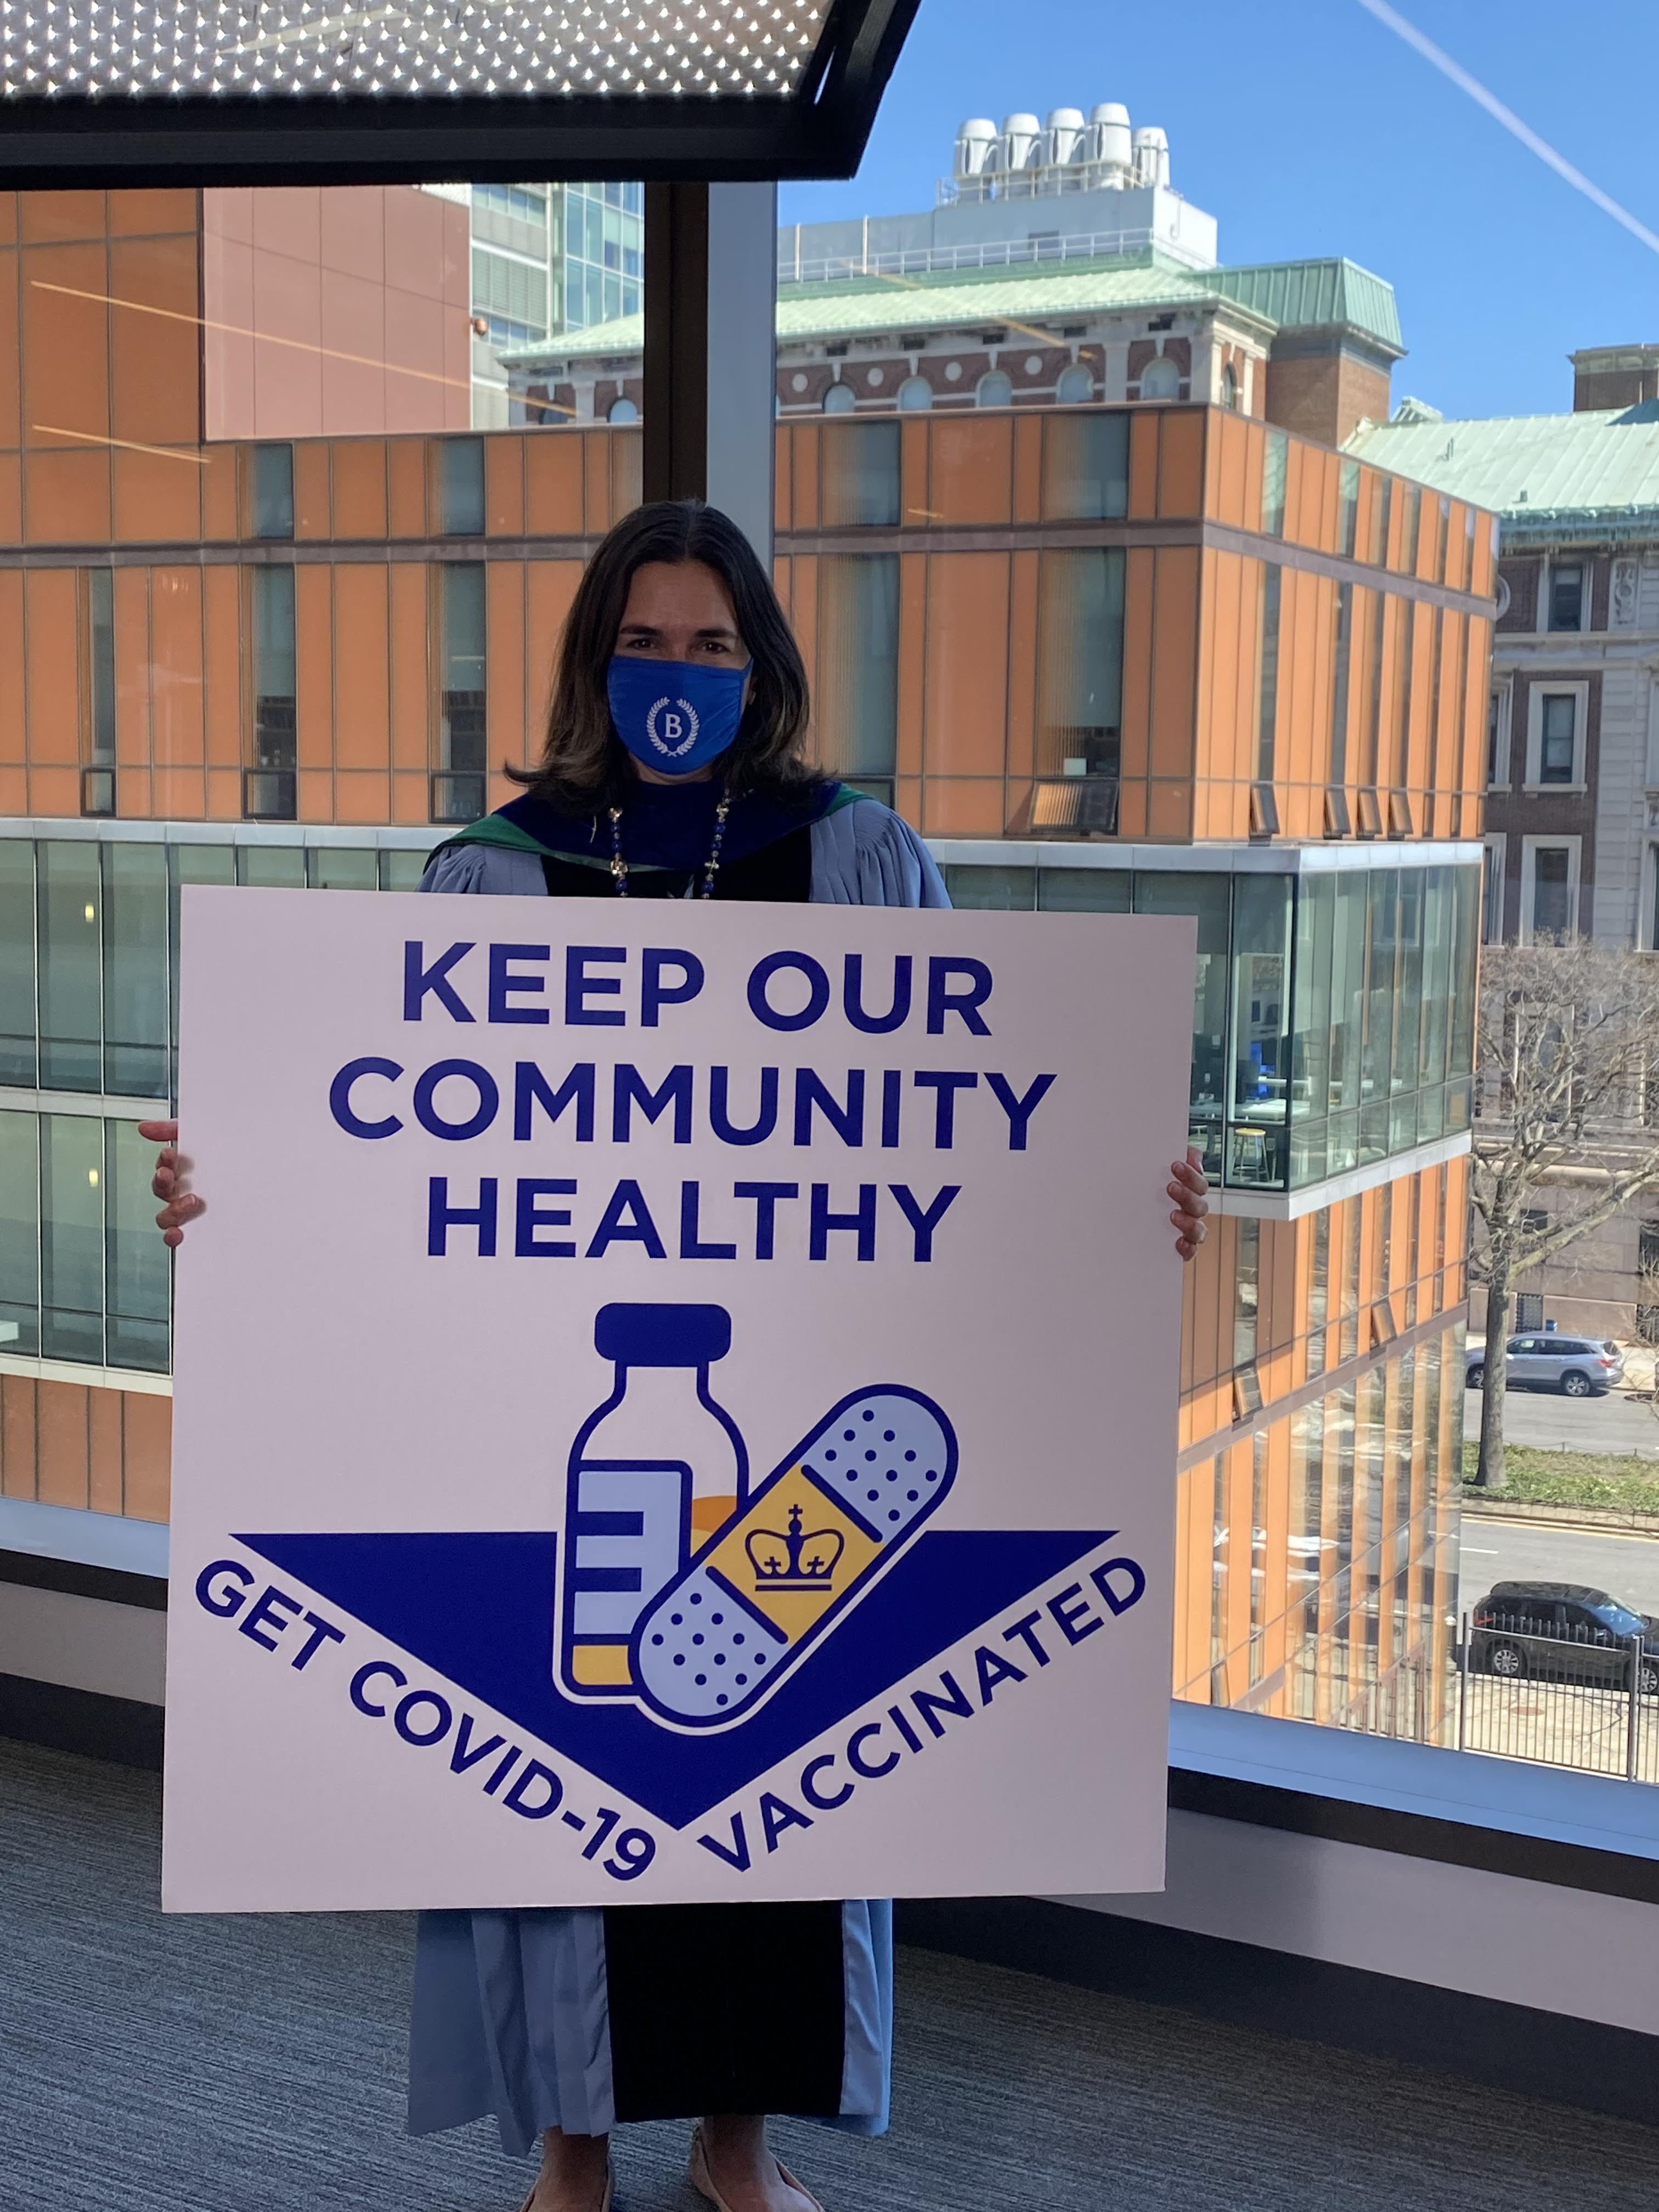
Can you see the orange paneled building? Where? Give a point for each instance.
(1155, 658)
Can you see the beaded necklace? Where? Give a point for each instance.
(710, 866)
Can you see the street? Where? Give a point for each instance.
(1552, 1422)
(1627, 1567)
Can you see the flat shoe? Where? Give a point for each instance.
(704, 2183)
(607, 2203)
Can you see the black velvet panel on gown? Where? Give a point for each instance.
(780, 871)
(721, 2008)
(725, 2008)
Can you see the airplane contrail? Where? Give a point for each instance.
(1511, 121)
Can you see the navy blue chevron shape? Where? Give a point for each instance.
(479, 1610)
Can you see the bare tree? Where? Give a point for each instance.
(1567, 1046)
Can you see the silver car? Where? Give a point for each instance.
(1577, 1366)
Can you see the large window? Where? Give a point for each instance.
(1337, 821)
(1497, 737)
(461, 779)
(89, 947)
(511, 294)
(1209, 896)
(268, 787)
(604, 258)
(70, 935)
(1492, 888)
(1555, 734)
(1274, 467)
(273, 491)
(1264, 811)
(1549, 888)
(1259, 1116)
(1085, 466)
(83, 1275)
(97, 776)
(861, 474)
(1080, 662)
(1566, 595)
(856, 703)
(1348, 506)
(461, 487)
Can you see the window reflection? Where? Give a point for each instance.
(71, 1237)
(273, 491)
(17, 984)
(1085, 465)
(135, 967)
(268, 792)
(1080, 662)
(1261, 925)
(69, 895)
(1208, 898)
(856, 700)
(97, 777)
(459, 784)
(861, 473)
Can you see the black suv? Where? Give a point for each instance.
(1561, 1633)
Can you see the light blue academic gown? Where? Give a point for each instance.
(511, 2015)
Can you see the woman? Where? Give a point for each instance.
(672, 768)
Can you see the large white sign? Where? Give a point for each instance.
(674, 1402)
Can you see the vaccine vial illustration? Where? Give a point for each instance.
(654, 1471)
(852, 1495)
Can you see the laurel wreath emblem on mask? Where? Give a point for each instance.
(685, 708)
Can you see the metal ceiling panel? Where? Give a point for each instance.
(111, 93)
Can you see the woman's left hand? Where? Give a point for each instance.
(1189, 1188)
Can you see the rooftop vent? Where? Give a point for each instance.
(1065, 154)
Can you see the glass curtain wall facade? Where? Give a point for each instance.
(547, 258)
(1332, 1011)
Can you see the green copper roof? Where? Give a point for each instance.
(1544, 474)
(1315, 293)
(1279, 295)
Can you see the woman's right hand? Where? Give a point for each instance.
(180, 1206)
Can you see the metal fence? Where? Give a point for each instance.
(1567, 1701)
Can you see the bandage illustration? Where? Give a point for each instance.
(790, 1560)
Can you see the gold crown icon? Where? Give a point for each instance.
(794, 1560)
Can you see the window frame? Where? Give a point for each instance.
(1501, 695)
(1554, 688)
(1530, 849)
(1549, 626)
(1157, 364)
(1494, 879)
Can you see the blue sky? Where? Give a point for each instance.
(1305, 127)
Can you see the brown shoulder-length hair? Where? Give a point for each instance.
(583, 761)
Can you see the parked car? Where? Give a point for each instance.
(1578, 1366)
(1561, 1633)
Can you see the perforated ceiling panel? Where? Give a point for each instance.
(127, 92)
(147, 52)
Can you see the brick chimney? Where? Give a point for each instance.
(1614, 376)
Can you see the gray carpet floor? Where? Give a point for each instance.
(256, 2065)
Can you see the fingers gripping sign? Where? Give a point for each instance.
(1189, 1187)
(178, 1204)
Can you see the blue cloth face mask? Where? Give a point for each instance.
(675, 715)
